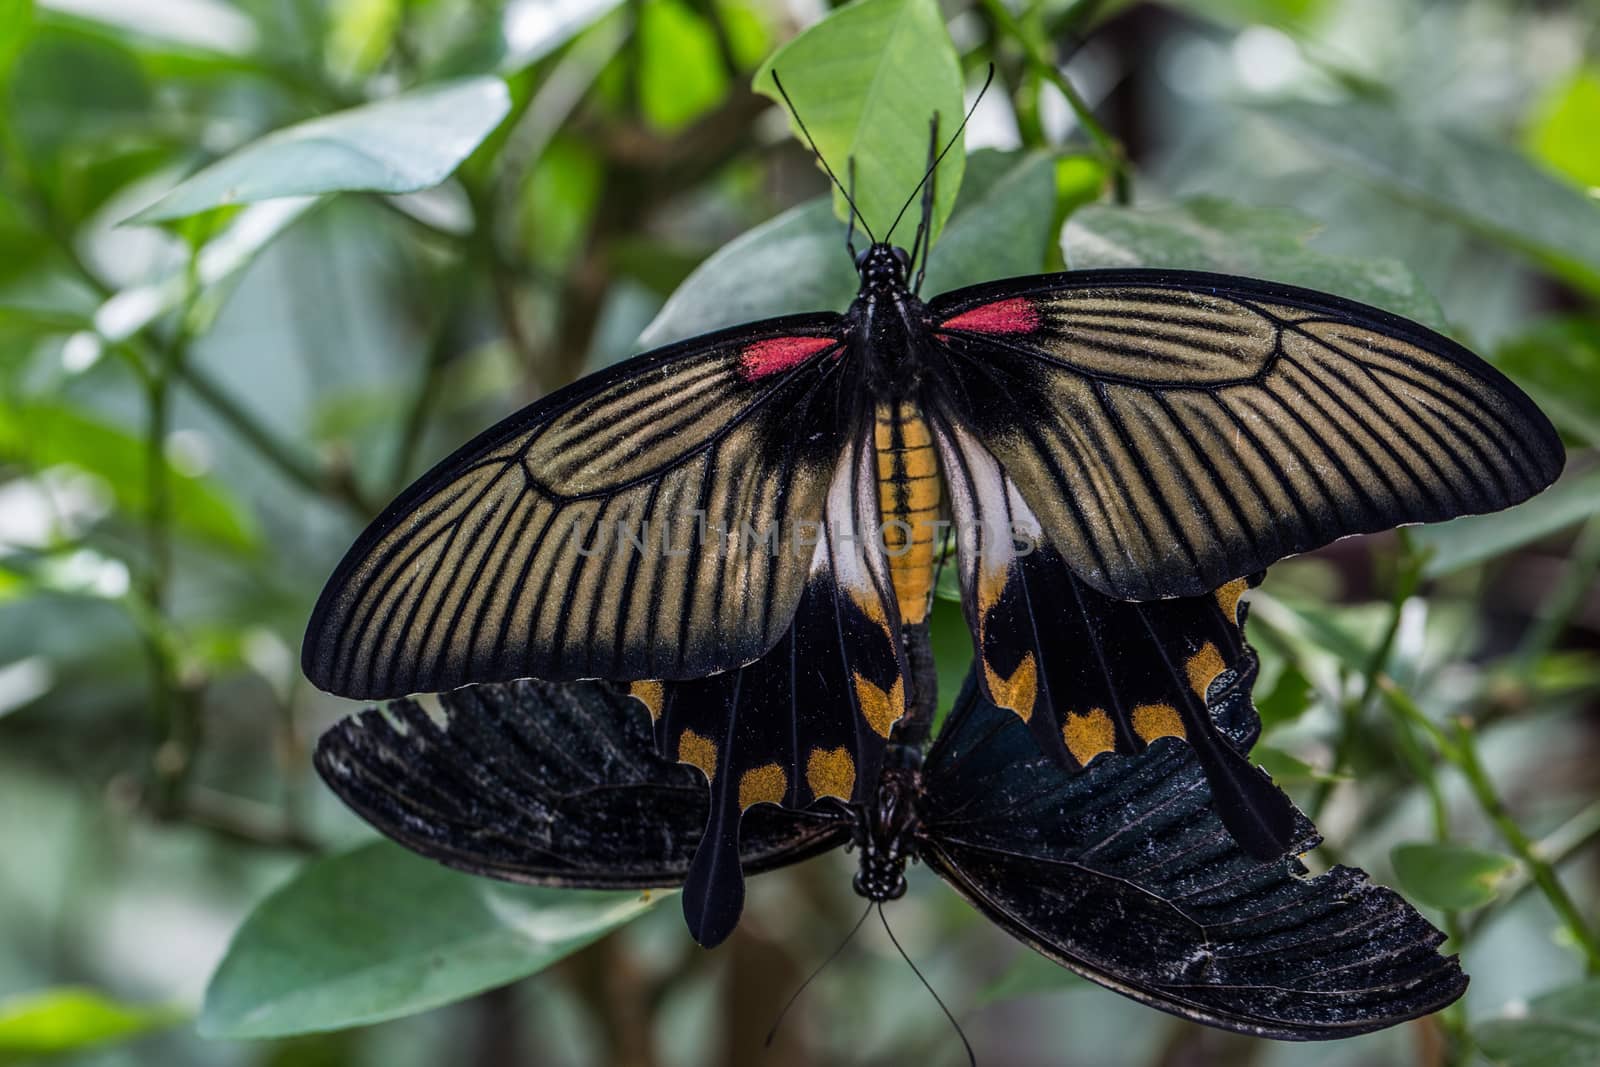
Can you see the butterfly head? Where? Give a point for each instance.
(883, 267)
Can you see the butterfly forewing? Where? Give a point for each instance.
(597, 533)
(1172, 431)
(809, 720)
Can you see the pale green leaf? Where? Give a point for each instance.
(204, 25)
(1217, 235)
(67, 1019)
(1002, 228)
(1474, 181)
(797, 261)
(248, 232)
(38, 435)
(1475, 538)
(1558, 1029)
(866, 80)
(378, 932)
(1288, 769)
(1566, 129)
(1558, 363)
(400, 145)
(1450, 877)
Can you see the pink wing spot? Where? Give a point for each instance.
(779, 354)
(1003, 316)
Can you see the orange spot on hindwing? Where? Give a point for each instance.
(1018, 692)
(1089, 735)
(830, 772)
(650, 694)
(881, 709)
(1203, 666)
(1151, 721)
(699, 751)
(765, 784)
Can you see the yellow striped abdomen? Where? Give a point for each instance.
(909, 499)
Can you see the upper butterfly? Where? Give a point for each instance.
(1096, 436)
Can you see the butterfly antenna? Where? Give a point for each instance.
(820, 968)
(972, 1059)
(925, 216)
(850, 230)
(855, 212)
(987, 81)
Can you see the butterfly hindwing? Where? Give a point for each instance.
(1123, 874)
(805, 723)
(596, 532)
(1175, 430)
(1090, 674)
(543, 784)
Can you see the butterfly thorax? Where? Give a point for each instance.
(887, 320)
(886, 834)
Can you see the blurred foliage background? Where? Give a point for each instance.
(200, 407)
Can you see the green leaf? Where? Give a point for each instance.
(1563, 131)
(70, 89)
(199, 25)
(535, 28)
(16, 22)
(1450, 877)
(1218, 235)
(1287, 769)
(66, 1019)
(1558, 1029)
(1475, 538)
(1000, 225)
(1030, 974)
(866, 80)
(1558, 363)
(378, 933)
(43, 434)
(800, 261)
(400, 145)
(247, 233)
(360, 35)
(1288, 14)
(681, 75)
(1287, 700)
(1473, 181)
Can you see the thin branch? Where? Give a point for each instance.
(1353, 711)
(1539, 868)
(1111, 149)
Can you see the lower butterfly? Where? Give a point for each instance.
(1121, 872)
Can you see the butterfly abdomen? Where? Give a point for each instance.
(910, 502)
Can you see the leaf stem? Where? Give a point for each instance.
(1539, 868)
(1566, 599)
(1560, 845)
(1111, 149)
(1353, 710)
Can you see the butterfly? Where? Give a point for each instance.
(1121, 872)
(776, 494)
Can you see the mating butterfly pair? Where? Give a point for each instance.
(744, 526)
(1150, 434)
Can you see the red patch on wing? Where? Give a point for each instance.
(779, 354)
(1018, 315)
